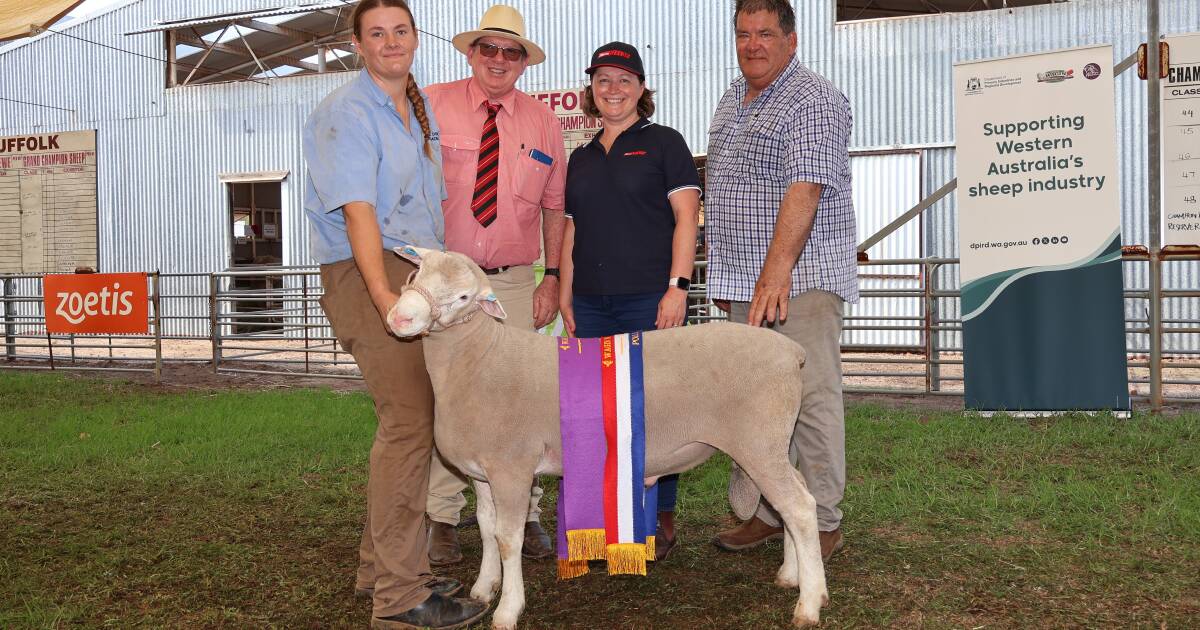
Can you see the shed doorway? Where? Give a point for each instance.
(256, 242)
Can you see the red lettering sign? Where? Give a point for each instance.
(114, 303)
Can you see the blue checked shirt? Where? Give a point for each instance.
(797, 130)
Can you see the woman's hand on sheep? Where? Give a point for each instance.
(568, 317)
(672, 309)
(384, 300)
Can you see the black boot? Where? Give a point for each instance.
(437, 612)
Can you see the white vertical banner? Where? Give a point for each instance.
(1181, 142)
(1040, 232)
(578, 128)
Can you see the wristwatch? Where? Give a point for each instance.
(680, 283)
(551, 271)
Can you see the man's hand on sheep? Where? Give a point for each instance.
(672, 309)
(545, 301)
(770, 296)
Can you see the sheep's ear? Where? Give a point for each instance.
(411, 254)
(491, 305)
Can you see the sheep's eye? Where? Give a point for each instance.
(462, 298)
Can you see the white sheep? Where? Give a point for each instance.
(719, 386)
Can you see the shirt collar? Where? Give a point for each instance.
(478, 99)
(376, 93)
(636, 127)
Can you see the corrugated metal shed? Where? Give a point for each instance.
(161, 152)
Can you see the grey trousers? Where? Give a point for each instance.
(818, 445)
(514, 288)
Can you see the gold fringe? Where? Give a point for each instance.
(586, 544)
(627, 559)
(650, 549)
(568, 569)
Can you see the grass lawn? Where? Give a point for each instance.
(123, 505)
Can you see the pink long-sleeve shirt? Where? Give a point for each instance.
(526, 185)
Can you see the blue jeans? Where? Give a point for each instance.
(604, 315)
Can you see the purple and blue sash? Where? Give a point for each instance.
(602, 502)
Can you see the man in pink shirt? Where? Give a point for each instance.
(505, 169)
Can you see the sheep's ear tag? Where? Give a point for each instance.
(491, 306)
(409, 253)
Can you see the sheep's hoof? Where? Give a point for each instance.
(497, 625)
(484, 593)
(783, 580)
(802, 621)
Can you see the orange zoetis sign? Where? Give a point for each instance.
(116, 303)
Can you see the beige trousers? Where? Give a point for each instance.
(392, 555)
(514, 288)
(818, 446)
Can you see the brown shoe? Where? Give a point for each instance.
(537, 543)
(663, 546)
(443, 545)
(748, 535)
(831, 543)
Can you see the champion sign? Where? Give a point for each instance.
(114, 303)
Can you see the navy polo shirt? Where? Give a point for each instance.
(619, 202)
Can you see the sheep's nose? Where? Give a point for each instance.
(399, 323)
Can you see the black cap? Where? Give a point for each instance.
(617, 55)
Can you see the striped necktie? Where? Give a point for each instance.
(487, 173)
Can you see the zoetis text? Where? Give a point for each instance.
(75, 307)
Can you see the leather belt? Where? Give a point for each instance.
(495, 270)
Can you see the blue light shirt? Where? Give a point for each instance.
(357, 149)
(796, 130)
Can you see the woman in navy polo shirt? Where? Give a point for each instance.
(633, 197)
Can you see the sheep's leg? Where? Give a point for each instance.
(511, 498)
(488, 581)
(789, 572)
(784, 488)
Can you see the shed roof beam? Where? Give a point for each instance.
(275, 29)
(192, 40)
(280, 54)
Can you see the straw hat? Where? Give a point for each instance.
(501, 21)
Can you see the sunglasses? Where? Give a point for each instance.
(490, 50)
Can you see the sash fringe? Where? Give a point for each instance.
(586, 544)
(627, 559)
(650, 553)
(568, 569)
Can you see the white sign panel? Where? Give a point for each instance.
(577, 128)
(48, 202)
(1037, 160)
(1040, 233)
(1181, 142)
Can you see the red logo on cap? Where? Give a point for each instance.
(619, 53)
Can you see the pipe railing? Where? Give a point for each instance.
(269, 321)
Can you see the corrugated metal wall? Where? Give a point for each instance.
(898, 73)
(883, 182)
(160, 152)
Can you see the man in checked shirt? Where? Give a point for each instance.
(781, 245)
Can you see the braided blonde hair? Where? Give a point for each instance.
(413, 92)
(418, 105)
